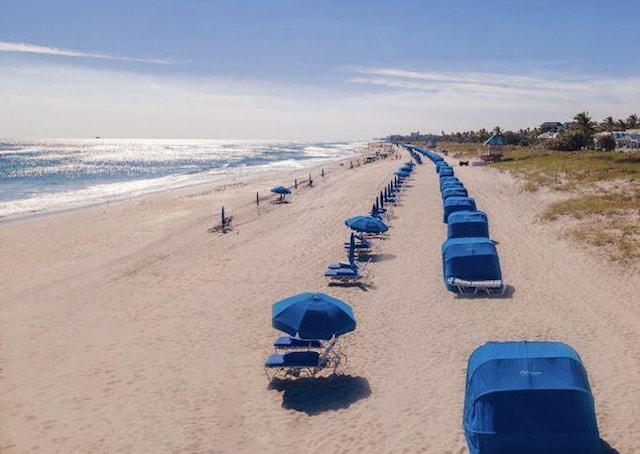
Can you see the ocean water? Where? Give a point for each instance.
(39, 176)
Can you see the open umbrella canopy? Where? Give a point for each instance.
(366, 224)
(313, 316)
(281, 190)
(401, 173)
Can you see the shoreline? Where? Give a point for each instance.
(265, 174)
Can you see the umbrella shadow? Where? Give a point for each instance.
(316, 395)
(607, 448)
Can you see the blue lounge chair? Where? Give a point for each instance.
(303, 362)
(293, 343)
(349, 274)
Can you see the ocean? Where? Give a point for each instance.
(40, 176)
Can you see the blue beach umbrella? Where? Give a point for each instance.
(366, 224)
(401, 173)
(313, 316)
(281, 190)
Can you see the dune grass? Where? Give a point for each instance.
(565, 171)
(595, 204)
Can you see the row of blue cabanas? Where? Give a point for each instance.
(469, 258)
(520, 397)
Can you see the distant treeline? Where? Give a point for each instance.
(570, 136)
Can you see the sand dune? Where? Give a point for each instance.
(130, 328)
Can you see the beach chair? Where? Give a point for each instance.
(348, 275)
(299, 363)
(344, 265)
(224, 226)
(491, 287)
(288, 343)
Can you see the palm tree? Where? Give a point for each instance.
(586, 125)
(608, 124)
(632, 121)
(621, 124)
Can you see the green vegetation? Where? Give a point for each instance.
(589, 205)
(558, 170)
(620, 239)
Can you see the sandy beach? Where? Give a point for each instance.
(131, 328)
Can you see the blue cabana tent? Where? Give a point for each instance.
(528, 398)
(445, 171)
(470, 259)
(447, 178)
(468, 224)
(442, 165)
(454, 191)
(453, 204)
(449, 181)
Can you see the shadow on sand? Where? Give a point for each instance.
(361, 285)
(315, 395)
(376, 257)
(509, 291)
(607, 448)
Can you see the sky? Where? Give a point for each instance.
(311, 69)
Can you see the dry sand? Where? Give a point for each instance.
(130, 328)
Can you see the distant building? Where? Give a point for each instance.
(627, 140)
(551, 126)
(548, 135)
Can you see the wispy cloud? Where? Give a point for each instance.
(58, 100)
(552, 85)
(27, 48)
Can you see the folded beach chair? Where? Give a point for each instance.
(303, 362)
(361, 242)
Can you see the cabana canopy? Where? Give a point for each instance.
(528, 397)
(441, 165)
(448, 180)
(470, 259)
(454, 191)
(468, 224)
(453, 204)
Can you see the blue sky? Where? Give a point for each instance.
(297, 69)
